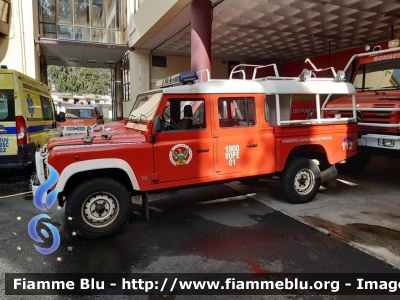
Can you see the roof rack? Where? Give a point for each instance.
(256, 68)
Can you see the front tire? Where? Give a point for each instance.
(99, 207)
(300, 180)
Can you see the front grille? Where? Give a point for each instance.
(74, 128)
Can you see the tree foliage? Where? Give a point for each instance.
(79, 81)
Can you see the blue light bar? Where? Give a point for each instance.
(3, 67)
(377, 48)
(187, 76)
(181, 78)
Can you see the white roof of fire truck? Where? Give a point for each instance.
(185, 83)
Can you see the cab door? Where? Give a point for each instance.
(236, 137)
(185, 152)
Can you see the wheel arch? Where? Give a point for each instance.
(312, 151)
(114, 168)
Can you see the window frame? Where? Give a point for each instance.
(42, 102)
(229, 112)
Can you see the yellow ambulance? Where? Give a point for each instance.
(27, 118)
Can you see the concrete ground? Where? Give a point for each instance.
(364, 209)
(205, 230)
(223, 229)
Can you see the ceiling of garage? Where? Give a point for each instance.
(283, 29)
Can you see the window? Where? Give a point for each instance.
(236, 112)
(82, 34)
(126, 78)
(184, 114)
(64, 11)
(47, 11)
(378, 76)
(98, 21)
(98, 35)
(7, 111)
(65, 33)
(81, 12)
(98, 13)
(46, 108)
(196, 112)
(79, 113)
(159, 61)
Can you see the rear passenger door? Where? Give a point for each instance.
(236, 135)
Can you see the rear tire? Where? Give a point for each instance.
(99, 207)
(300, 180)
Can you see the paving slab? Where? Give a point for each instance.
(364, 209)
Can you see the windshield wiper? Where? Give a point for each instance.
(363, 89)
(140, 119)
(390, 87)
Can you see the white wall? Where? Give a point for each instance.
(18, 50)
(178, 64)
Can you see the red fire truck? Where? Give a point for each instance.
(188, 133)
(376, 77)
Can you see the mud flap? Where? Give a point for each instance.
(145, 206)
(329, 177)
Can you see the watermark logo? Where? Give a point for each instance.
(37, 201)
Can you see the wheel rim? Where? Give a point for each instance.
(304, 181)
(100, 210)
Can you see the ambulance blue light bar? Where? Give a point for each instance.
(181, 78)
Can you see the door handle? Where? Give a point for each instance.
(252, 145)
(203, 150)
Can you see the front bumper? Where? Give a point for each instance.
(38, 178)
(381, 141)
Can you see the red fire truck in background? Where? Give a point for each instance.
(376, 77)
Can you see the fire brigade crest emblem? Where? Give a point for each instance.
(180, 155)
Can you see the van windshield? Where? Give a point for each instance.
(7, 110)
(75, 113)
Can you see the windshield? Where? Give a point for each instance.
(378, 76)
(75, 113)
(145, 107)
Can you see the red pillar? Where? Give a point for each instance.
(201, 36)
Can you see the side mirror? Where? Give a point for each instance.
(60, 117)
(157, 123)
